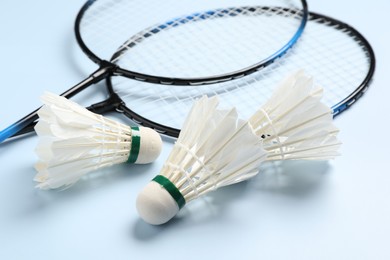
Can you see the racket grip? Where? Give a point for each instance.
(23, 126)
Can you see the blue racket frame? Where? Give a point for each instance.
(107, 69)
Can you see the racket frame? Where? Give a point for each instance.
(114, 103)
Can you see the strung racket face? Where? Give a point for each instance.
(178, 38)
(335, 54)
(186, 42)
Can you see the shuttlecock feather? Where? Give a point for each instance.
(295, 124)
(216, 149)
(74, 141)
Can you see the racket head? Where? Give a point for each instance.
(171, 42)
(339, 58)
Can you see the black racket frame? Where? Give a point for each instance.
(114, 103)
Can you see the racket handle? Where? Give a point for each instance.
(19, 126)
(27, 123)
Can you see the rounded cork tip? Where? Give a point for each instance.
(155, 205)
(150, 146)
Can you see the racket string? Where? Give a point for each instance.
(189, 38)
(214, 38)
(337, 61)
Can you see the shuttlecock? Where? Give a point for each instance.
(74, 141)
(214, 149)
(211, 153)
(295, 124)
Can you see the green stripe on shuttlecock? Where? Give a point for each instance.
(135, 145)
(172, 190)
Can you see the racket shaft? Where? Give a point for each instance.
(27, 123)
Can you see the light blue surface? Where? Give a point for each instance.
(339, 210)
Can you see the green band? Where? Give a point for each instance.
(171, 188)
(135, 145)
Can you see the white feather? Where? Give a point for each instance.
(74, 141)
(216, 149)
(294, 124)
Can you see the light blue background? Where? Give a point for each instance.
(339, 210)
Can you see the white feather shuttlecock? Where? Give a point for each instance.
(74, 141)
(293, 124)
(214, 149)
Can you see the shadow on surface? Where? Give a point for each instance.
(41, 200)
(298, 179)
(293, 178)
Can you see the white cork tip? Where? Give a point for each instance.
(155, 205)
(150, 147)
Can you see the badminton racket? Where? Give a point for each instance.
(174, 40)
(338, 57)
